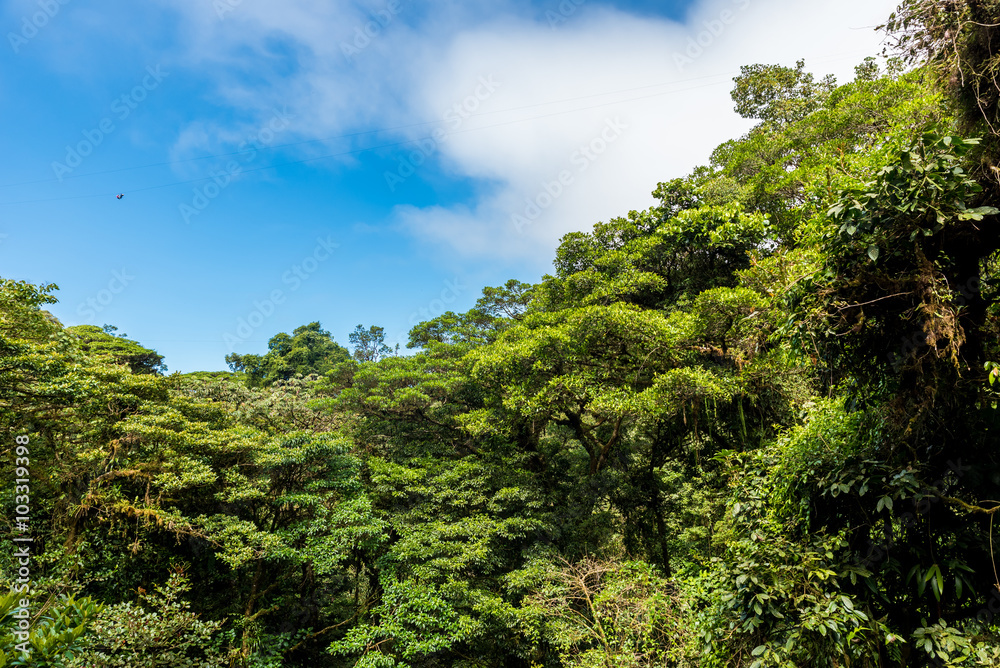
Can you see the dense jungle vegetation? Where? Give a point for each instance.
(755, 425)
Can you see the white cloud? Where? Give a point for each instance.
(668, 133)
(556, 94)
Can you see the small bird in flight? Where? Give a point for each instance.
(121, 195)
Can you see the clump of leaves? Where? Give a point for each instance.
(56, 634)
(159, 631)
(605, 612)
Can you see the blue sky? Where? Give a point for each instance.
(353, 163)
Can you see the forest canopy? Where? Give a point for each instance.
(752, 425)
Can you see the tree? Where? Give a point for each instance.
(308, 350)
(779, 95)
(959, 41)
(495, 311)
(369, 344)
(102, 342)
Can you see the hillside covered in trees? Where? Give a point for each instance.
(753, 426)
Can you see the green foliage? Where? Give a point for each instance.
(607, 613)
(52, 637)
(651, 260)
(308, 350)
(752, 426)
(160, 631)
(369, 344)
(919, 194)
(457, 527)
(117, 349)
(494, 312)
(725, 317)
(957, 41)
(781, 588)
(904, 254)
(792, 171)
(778, 95)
